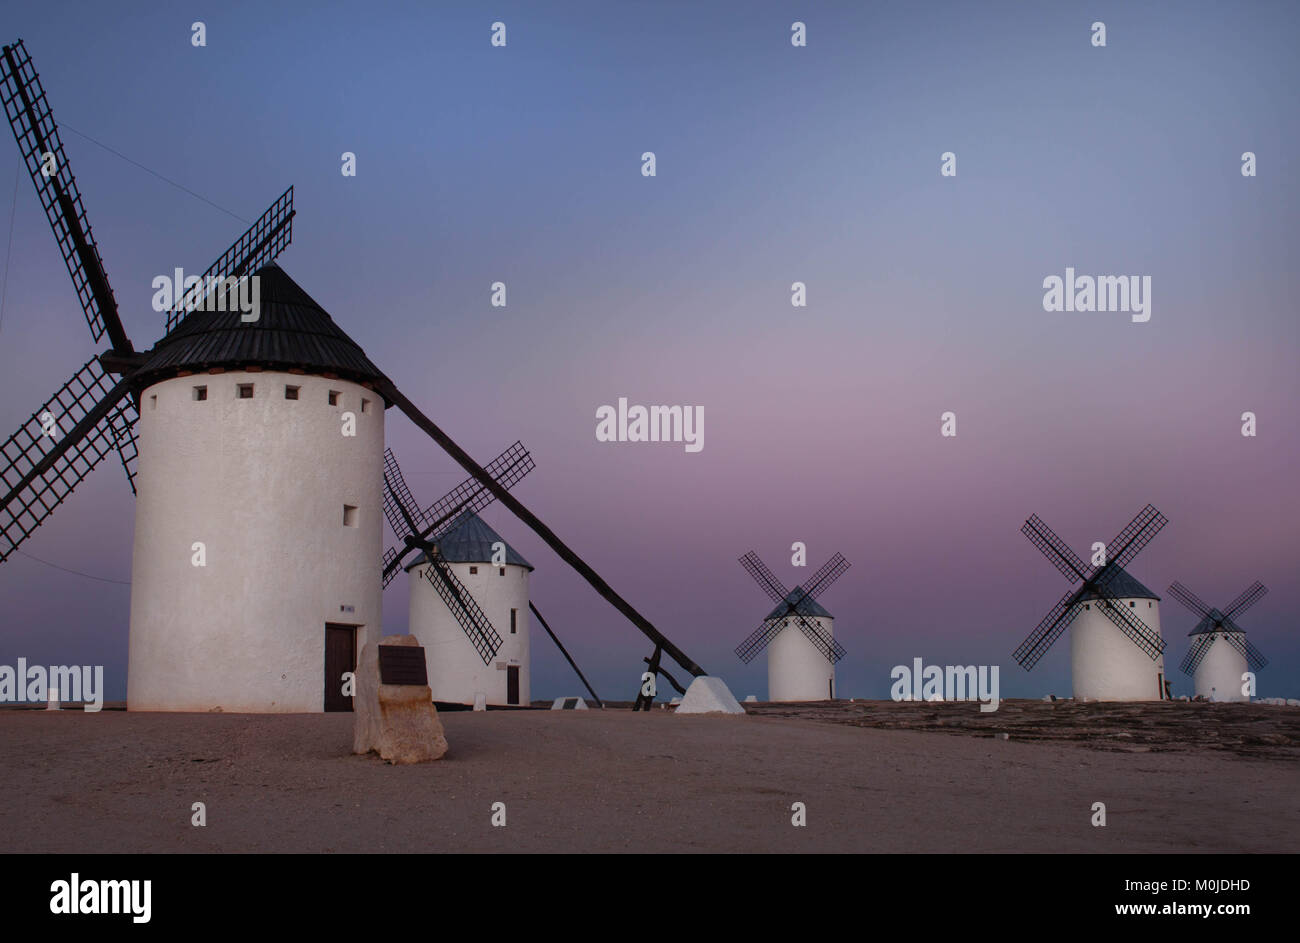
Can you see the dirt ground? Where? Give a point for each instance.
(614, 781)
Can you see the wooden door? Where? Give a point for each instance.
(512, 684)
(340, 657)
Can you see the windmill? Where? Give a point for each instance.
(466, 654)
(800, 665)
(1116, 653)
(245, 443)
(1220, 654)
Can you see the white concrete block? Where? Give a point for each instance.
(709, 695)
(569, 704)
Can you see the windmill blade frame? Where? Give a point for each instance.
(41, 471)
(763, 576)
(259, 245)
(829, 572)
(1251, 595)
(508, 469)
(1049, 629)
(477, 626)
(1136, 534)
(1138, 632)
(1254, 657)
(1057, 551)
(1189, 599)
(32, 122)
(1196, 654)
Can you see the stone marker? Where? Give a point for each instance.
(709, 695)
(480, 701)
(397, 721)
(53, 703)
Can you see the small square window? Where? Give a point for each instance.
(365, 405)
(291, 392)
(501, 572)
(334, 397)
(153, 402)
(1132, 605)
(200, 393)
(473, 570)
(245, 391)
(349, 515)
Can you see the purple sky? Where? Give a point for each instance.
(775, 164)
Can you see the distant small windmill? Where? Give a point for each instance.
(1116, 655)
(1220, 654)
(800, 665)
(452, 521)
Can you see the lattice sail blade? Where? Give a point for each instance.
(1127, 621)
(38, 139)
(1046, 633)
(1254, 659)
(764, 577)
(471, 496)
(1139, 532)
(258, 246)
(397, 498)
(58, 447)
(476, 625)
(1253, 594)
(390, 565)
(1056, 550)
(832, 650)
(830, 571)
(1189, 599)
(1196, 654)
(759, 639)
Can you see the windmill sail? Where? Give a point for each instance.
(61, 444)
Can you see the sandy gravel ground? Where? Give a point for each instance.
(613, 781)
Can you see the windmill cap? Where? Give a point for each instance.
(292, 331)
(1123, 585)
(470, 541)
(1216, 621)
(806, 606)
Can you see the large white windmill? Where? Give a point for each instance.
(1116, 650)
(798, 634)
(1220, 654)
(259, 444)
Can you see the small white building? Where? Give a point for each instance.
(257, 520)
(1218, 676)
(1107, 665)
(797, 670)
(457, 673)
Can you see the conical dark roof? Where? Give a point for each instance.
(1123, 585)
(292, 331)
(470, 541)
(807, 606)
(1216, 621)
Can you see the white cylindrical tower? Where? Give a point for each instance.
(255, 571)
(457, 673)
(1218, 676)
(1106, 664)
(797, 670)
